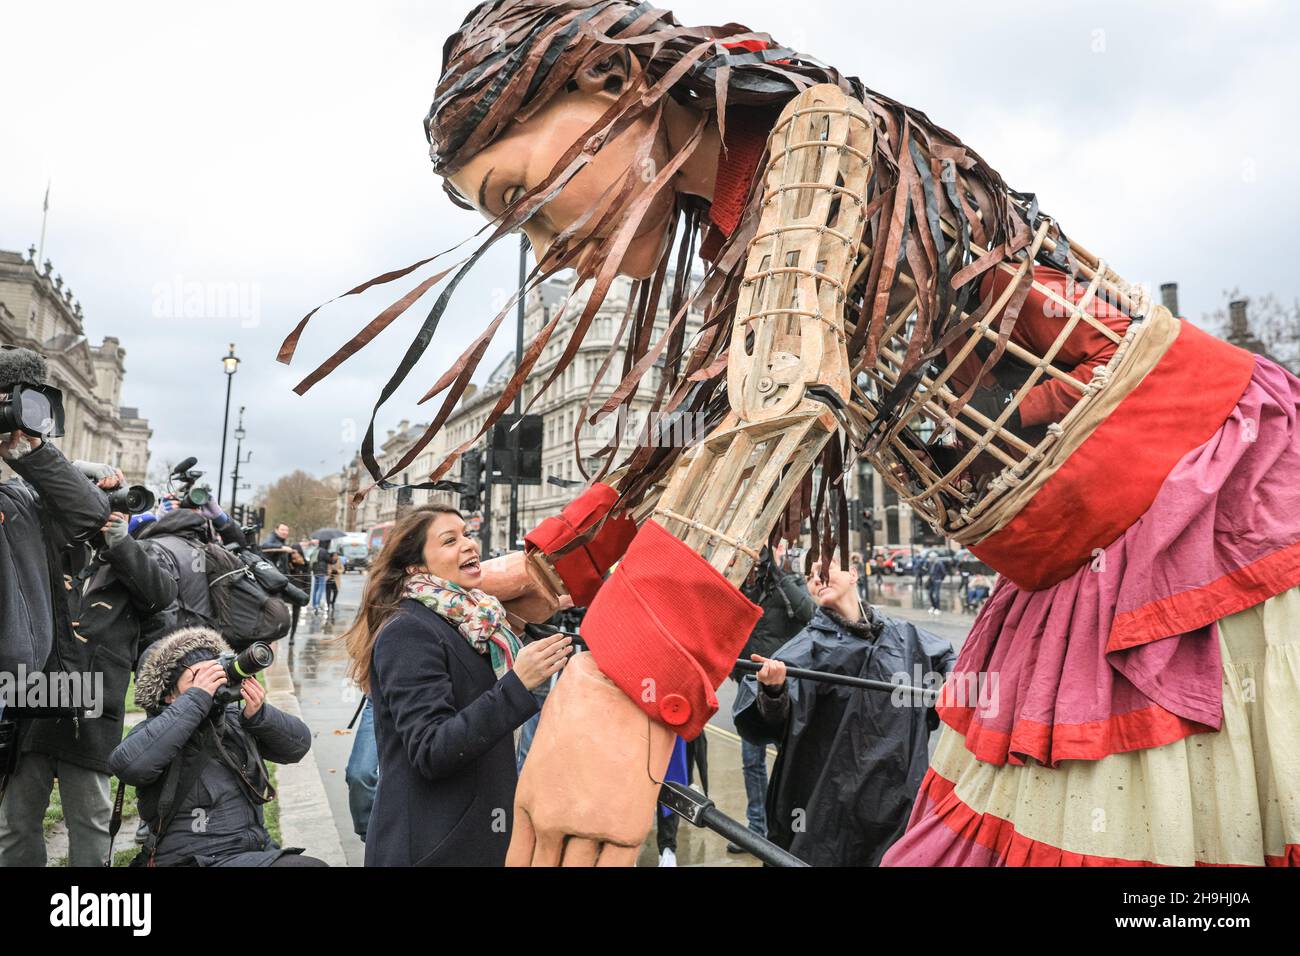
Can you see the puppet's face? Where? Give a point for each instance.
(525, 156)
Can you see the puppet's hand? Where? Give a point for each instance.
(516, 581)
(590, 785)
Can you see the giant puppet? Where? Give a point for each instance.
(871, 287)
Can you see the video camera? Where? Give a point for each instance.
(190, 493)
(35, 410)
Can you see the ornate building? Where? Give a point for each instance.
(38, 311)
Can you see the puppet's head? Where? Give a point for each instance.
(591, 126)
(577, 121)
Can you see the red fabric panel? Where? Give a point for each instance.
(583, 569)
(1112, 478)
(666, 628)
(1049, 744)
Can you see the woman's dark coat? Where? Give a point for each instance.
(444, 726)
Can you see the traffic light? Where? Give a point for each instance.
(471, 475)
(517, 449)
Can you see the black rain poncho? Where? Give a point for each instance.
(850, 760)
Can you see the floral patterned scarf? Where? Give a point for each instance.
(477, 615)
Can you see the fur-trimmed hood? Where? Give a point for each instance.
(160, 659)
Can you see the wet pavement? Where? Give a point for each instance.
(318, 663)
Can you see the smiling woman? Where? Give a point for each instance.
(449, 682)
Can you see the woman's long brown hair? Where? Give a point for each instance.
(403, 549)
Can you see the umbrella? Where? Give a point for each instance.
(328, 534)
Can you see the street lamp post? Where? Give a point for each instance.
(230, 365)
(517, 431)
(240, 435)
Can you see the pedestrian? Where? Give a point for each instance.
(320, 559)
(938, 572)
(689, 756)
(362, 773)
(787, 608)
(450, 683)
(333, 579)
(850, 760)
(292, 563)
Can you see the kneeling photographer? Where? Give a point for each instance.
(196, 760)
(110, 596)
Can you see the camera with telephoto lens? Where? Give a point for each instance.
(247, 663)
(35, 410)
(132, 500)
(129, 499)
(186, 476)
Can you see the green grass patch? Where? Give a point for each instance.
(271, 812)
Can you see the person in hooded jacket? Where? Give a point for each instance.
(787, 608)
(113, 595)
(850, 760)
(192, 760)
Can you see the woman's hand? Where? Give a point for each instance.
(542, 658)
(253, 693)
(772, 673)
(207, 676)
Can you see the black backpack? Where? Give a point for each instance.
(236, 605)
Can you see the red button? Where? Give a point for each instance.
(675, 709)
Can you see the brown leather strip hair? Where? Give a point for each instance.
(510, 57)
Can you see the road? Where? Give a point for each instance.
(318, 663)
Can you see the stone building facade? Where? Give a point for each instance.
(39, 312)
(559, 407)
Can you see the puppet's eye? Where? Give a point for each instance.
(512, 194)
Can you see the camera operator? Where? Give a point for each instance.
(52, 506)
(176, 541)
(110, 597)
(196, 760)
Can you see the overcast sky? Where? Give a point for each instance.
(278, 146)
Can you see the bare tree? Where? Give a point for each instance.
(302, 502)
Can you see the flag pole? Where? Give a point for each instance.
(45, 217)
